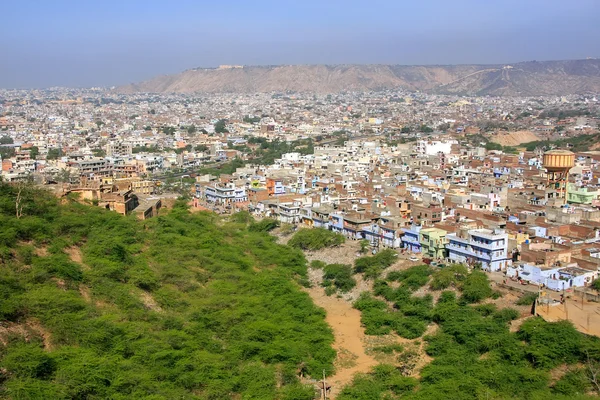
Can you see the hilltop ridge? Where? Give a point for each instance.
(530, 78)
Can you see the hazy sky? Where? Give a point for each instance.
(101, 43)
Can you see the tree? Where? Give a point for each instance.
(54, 154)
(201, 148)
(406, 129)
(444, 127)
(33, 152)
(191, 129)
(364, 246)
(251, 120)
(99, 152)
(315, 239)
(425, 129)
(6, 140)
(220, 126)
(64, 176)
(168, 130)
(493, 146)
(476, 287)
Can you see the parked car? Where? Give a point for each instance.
(413, 258)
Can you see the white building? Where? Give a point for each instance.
(485, 246)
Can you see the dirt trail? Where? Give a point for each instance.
(349, 339)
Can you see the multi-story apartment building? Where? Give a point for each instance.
(94, 168)
(118, 148)
(223, 193)
(320, 217)
(410, 239)
(433, 242)
(275, 187)
(485, 246)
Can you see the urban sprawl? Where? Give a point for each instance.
(507, 184)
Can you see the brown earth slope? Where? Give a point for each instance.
(526, 78)
(514, 138)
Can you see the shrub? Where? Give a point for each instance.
(266, 225)
(389, 349)
(574, 382)
(315, 239)
(339, 275)
(551, 344)
(317, 264)
(476, 287)
(29, 361)
(375, 264)
(527, 299)
(412, 278)
(448, 276)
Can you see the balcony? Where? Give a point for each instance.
(470, 242)
(410, 239)
(468, 252)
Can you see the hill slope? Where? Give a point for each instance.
(525, 78)
(94, 305)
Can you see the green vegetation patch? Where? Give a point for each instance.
(315, 239)
(178, 306)
(338, 276)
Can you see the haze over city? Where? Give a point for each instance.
(84, 44)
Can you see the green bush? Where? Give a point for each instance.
(389, 349)
(372, 266)
(574, 382)
(29, 361)
(265, 225)
(476, 287)
(383, 381)
(340, 276)
(178, 306)
(412, 278)
(448, 276)
(315, 239)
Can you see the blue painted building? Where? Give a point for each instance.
(485, 246)
(410, 239)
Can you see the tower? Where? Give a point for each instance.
(557, 164)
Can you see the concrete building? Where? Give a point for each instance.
(410, 238)
(484, 246)
(433, 242)
(226, 193)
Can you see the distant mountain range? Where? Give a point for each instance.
(529, 78)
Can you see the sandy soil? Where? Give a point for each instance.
(585, 317)
(514, 138)
(149, 302)
(30, 328)
(349, 339)
(84, 291)
(76, 256)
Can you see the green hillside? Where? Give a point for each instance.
(575, 143)
(94, 305)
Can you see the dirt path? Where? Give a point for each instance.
(349, 339)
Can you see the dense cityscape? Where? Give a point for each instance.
(300, 200)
